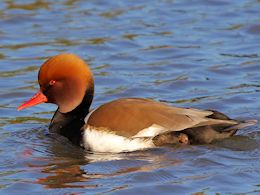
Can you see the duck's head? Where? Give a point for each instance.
(64, 80)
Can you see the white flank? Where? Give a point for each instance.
(102, 141)
(151, 131)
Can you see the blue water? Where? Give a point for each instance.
(201, 53)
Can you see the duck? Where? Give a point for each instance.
(121, 125)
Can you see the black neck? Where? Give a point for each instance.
(69, 124)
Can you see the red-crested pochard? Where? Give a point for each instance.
(122, 125)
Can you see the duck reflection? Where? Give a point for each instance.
(66, 177)
(73, 167)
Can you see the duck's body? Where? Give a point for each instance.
(122, 125)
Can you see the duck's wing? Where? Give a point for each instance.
(133, 117)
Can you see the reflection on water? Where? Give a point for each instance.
(64, 173)
(61, 175)
(203, 54)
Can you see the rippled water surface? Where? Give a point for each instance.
(201, 53)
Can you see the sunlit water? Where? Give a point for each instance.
(202, 54)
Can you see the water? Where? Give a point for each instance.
(202, 54)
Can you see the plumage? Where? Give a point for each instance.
(128, 116)
(122, 125)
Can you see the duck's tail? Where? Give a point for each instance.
(233, 129)
(209, 133)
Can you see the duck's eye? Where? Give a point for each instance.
(52, 82)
